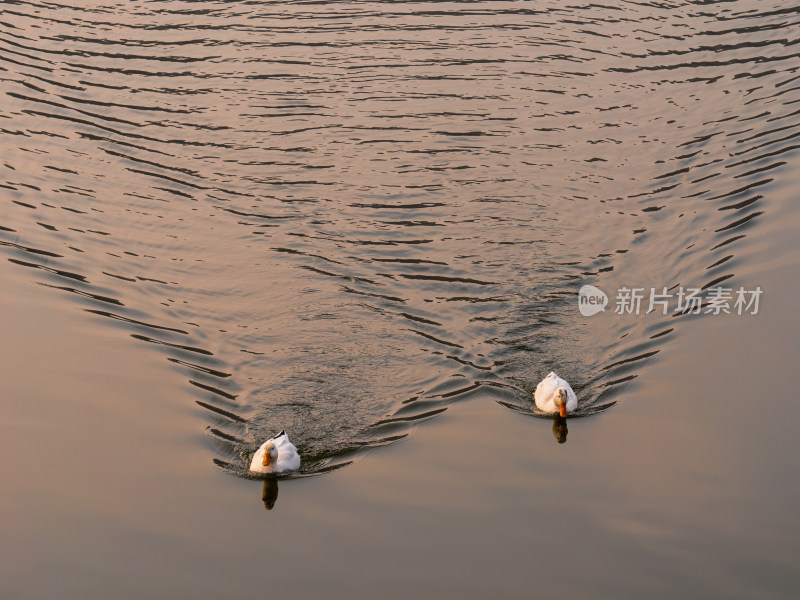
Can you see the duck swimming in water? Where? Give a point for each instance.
(554, 394)
(276, 455)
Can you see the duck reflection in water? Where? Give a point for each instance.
(559, 429)
(269, 493)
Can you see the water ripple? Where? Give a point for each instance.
(340, 218)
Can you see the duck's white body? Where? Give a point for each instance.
(547, 397)
(282, 457)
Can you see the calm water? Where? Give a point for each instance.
(341, 219)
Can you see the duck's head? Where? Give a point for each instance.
(561, 400)
(270, 454)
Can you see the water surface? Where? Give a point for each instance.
(341, 219)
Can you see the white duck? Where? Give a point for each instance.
(276, 455)
(553, 394)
